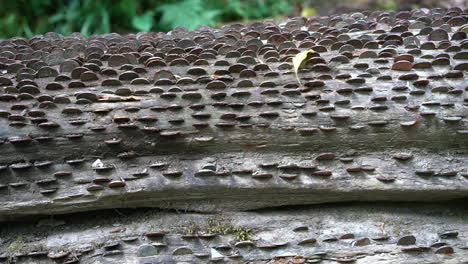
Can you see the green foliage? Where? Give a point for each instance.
(31, 17)
(143, 22)
(254, 9)
(188, 13)
(387, 5)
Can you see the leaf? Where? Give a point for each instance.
(143, 22)
(105, 25)
(27, 30)
(129, 7)
(308, 12)
(298, 60)
(188, 13)
(87, 24)
(57, 17)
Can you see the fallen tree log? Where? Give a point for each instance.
(214, 120)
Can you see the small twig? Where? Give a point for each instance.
(119, 213)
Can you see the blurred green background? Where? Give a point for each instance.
(31, 17)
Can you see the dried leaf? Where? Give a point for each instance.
(308, 12)
(298, 60)
(382, 228)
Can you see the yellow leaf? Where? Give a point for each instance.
(298, 60)
(309, 11)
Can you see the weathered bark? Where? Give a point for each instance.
(214, 120)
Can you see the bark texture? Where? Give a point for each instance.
(214, 122)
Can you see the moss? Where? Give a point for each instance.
(18, 245)
(192, 228)
(35, 247)
(243, 234)
(217, 225)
